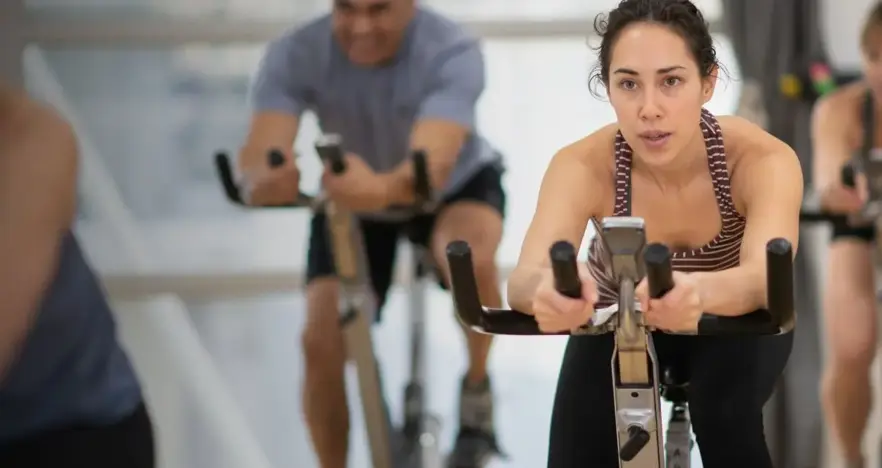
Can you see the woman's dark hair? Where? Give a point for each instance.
(873, 20)
(680, 15)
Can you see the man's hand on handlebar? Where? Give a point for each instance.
(359, 188)
(679, 310)
(555, 312)
(842, 199)
(265, 185)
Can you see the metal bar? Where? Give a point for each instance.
(217, 286)
(48, 31)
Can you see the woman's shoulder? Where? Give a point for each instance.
(750, 149)
(745, 139)
(595, 151)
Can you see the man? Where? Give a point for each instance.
(389, 77)
(68, 395)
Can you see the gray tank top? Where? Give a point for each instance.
(71, 371)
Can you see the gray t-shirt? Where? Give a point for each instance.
(438, 73)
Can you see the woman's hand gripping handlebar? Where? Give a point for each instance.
(777, 319)
(566, 278)
(330, 150)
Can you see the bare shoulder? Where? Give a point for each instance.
(839, 113)
(585, 167)
(752, 152)
(593, 152)
(26, 122)
(843, 103)
(33, 134)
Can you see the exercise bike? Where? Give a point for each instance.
(415, 444)
(638, 381)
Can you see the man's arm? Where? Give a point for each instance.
(771, 186)
(446, 118)
(279, 96)
(38, 177)
(831, 122)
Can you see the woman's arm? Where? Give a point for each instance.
(768, 183)
(571, 193)
(38, 173)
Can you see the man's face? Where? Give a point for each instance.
(370, 31)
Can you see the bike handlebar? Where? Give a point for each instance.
(330, 150)
(778, 318)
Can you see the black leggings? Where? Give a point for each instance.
(126, 444)
(730, 380)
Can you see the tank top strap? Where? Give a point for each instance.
(716, 160)
(623, 155)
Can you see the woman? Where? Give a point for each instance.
(715, 190)
(68, 395)
(844, 123)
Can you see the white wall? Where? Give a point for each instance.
(841, 22)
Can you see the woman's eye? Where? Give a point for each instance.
(672, 81)
(627, 84)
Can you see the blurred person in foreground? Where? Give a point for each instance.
(68, 394)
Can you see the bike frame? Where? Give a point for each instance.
(634, 365)
(357, 312)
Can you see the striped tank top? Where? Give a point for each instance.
(719, 254)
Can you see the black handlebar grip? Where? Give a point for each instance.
(846, 175)
(422, 186)
(330, 148)
(659, 275)
(225, 172)
(463, 283)
(637, 439)
(276, 158)
(565, 270)
(779, 280)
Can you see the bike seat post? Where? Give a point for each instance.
(414, 393)
(635, 374)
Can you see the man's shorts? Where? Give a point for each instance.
(381, 238)
(843, 230)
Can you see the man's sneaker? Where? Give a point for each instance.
(476, 441)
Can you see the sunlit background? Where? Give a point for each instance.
(150, 118)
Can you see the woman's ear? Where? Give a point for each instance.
(709, 84)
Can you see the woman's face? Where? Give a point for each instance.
(657, 91)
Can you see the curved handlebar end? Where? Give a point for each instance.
(565, 270)
(330, 149)
(659, 273)
(846, 175)
(276, 158)
(422, 185)
(225, 173)
(463, 283)
(779, 283)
